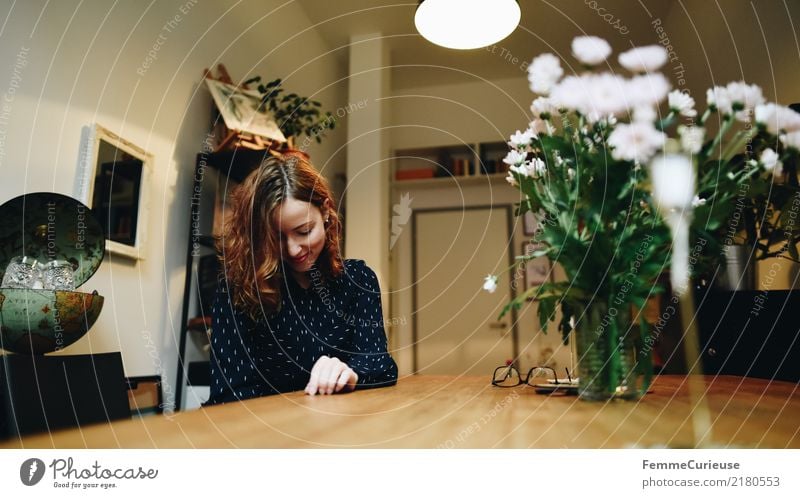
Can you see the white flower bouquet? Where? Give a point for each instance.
(582, 167)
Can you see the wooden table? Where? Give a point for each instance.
(465, 412)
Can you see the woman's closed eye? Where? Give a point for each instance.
(305, 230)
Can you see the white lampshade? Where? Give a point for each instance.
(466, 24)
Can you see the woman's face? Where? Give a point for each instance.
(301, 232)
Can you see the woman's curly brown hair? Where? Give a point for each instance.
(249, 246)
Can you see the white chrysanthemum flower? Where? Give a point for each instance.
(739, 93)
(767, 115)
(644, 114)
(570, 173)
(643, 59)
(539, 126)
(590, 50)
(543, 106)
(559, 161)
(777, 118)
(771, 161)
(692, 138)
(511, 180)
(543, 73)
(569, 94)
(697, 201)
(791, 140)
(681, 103)
(718, 97)
(747, 96)
(596, 96)
(490, 283)
(533, 168)
(515, 157)
(647, 89)
(635, 142)
(521, 139)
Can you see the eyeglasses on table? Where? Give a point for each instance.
(537, 377)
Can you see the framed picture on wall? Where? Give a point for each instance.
(530, 223)
(537, 270)
(113, 181)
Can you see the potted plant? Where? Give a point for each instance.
(766, 225)
(582, 166)
(295, 115)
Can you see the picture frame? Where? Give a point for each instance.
(240, 110)
(530, 223)
(538, 270)
(113, 181)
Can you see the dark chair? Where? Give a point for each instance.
(44, 393)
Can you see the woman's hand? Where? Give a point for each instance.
(331, 375)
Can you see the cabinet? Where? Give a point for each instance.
(215, 175)
(464, 162)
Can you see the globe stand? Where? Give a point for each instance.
(43, 393)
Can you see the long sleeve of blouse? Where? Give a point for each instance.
(339, 318)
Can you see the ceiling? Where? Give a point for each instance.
(545, 26)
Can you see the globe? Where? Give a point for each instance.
(35, 321)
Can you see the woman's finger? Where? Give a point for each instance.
(324, 375)
(336, 366)
(344, 378)
(336, 372)
(313, 382)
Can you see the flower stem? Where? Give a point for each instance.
(741, 139)
(702, 119)
(723, 130)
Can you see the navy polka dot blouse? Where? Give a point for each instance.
(339, 318)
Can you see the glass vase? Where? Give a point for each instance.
(611, 360)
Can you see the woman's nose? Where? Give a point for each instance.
(294, 249)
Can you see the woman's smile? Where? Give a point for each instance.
(302, 232)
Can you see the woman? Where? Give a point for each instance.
(289, 314)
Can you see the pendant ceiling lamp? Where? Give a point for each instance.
(466, 24)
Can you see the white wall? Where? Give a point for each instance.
(720, 42)
(477, 111)
(76, 64)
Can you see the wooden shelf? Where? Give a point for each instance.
(457, 165)
(494, 179)
(235, 164)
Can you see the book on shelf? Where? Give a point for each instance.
(413, 174)
(462, 167)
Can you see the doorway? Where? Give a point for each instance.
(455, 330)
